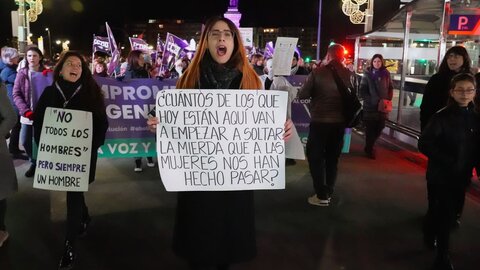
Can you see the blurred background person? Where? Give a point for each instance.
(8, 181)
(11, 58)
(22, 96)
(100, 68)
(375, 86)
(136, 70)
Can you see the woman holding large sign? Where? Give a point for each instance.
(216, 229)
(74, 88)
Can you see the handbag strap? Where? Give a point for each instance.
(340, 84)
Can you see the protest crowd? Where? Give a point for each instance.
(42, 100)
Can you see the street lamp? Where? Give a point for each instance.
(63, 43)
(49, 42)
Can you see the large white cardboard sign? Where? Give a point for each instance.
(221, 139)
(63, 161)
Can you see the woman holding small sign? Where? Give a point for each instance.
(74, 88)
(216, 229)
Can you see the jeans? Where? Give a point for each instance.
(26, 139)
(324, 146)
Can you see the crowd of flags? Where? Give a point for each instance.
(170, 51)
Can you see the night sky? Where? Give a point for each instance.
(79, 26)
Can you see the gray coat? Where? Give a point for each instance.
(8, 118)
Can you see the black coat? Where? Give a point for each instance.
(451, 141)
(372, 90)
(215, 227)
(51, 97)
(435, 96)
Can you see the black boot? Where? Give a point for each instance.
(68, 257)
(31, 171)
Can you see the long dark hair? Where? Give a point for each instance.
(132, 59)
(88, 82)
(458, 50)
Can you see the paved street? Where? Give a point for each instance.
(373, 223)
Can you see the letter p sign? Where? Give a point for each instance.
(462, 21)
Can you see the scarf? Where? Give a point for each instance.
(377, 74)
(216, 76)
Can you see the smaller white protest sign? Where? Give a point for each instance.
(247, 36)
(221, 139)
(63, 161)
(283, 54)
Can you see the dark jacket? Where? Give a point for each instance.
(451, 141)
(373, 88)
(136, 74)
(215, 227)
(8, 76)
(326, 104)
(51, 97)
(435, 96)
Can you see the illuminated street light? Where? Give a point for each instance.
(49, 42)
(64, 44)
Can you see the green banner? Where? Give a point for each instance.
(132, 147)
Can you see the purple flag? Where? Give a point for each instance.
(101, 44)
(268, 53)
(139, 44)
(113, 50)
(173, 48)
(160, 45)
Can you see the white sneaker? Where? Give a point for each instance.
(138, 169)
(3, 237)
(151, 164)
(314, 200)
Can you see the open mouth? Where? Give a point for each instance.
(221, 50)
(73, 74)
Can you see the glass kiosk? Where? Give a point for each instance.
(430, 27)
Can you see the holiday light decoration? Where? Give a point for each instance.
(35, 8)
(351, 8)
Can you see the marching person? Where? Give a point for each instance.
(8, 181)
(216, 229)
(22, 96)
(437, 92)
(375, 87)
(327, 125)
(450, 141)
(8, 74)
(136, 70)
(74, 88)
